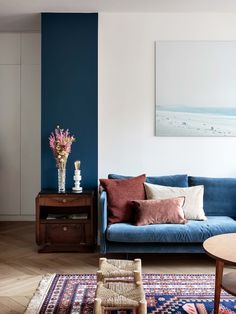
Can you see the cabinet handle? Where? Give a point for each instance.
(65, 228)
(64, 200)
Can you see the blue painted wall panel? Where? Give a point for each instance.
(69, 92)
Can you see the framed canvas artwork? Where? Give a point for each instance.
(195, 88)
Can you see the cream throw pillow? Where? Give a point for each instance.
(193, 206)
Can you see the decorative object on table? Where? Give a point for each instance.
(60, 142)
(165, 293)
(77, 177)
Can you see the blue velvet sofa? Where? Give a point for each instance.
(219, 206)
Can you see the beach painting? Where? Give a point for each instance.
(195, 88)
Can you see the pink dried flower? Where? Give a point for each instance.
(60, 142)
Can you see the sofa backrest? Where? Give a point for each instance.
(179, 180)
(219, 195)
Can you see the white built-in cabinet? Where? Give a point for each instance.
(20, 120)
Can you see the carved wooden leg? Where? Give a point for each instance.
(218, 282)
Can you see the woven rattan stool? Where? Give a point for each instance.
(119, 269)
(118, 296)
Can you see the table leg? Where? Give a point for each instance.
(218, 282)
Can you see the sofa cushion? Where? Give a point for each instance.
(119, 195)
(191, 232)
(219, 195)
(149, 212)
(180, 180)
(193, 206)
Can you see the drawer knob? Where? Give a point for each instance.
(65, 228)
(64, 200)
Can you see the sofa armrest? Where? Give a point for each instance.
(103, 221)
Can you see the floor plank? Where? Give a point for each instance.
(22, 267)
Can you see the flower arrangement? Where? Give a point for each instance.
(60, 142)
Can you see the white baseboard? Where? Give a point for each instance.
(17, 218)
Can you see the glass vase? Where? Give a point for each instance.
(61, 180)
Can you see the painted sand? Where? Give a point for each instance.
(180, 122)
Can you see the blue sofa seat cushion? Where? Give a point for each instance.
(191, 232)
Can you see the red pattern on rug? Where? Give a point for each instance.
(182, 293)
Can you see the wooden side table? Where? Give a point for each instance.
(66, 222)
(223, 249)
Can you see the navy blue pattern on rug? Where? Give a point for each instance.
(165, 293)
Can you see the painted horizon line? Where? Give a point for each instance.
(226, 111)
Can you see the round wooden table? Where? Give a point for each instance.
(223, 249)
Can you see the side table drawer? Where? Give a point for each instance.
(65, 201)
(64, 233)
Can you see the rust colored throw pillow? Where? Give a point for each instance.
(159, 211)
(119, 194)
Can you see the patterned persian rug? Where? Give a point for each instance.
(193, 294)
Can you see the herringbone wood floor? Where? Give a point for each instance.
(21, 267)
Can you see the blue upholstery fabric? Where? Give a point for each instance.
(219, 195)
(219, 202)
(179, 180)
(118, 176)
(191, 232)
(103, 220)
(120, 247)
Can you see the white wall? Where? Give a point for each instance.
(127, 143)
(19, 124)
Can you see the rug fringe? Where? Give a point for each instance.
(36, 301)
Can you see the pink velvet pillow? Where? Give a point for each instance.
(119, 194)
(159, 211)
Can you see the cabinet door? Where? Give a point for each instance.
(10, 48)
(10, 139)
(30, 137)
(30, 121)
